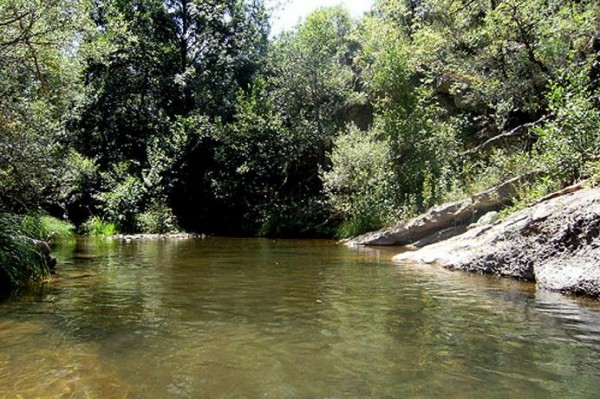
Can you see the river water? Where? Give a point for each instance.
(250, 318)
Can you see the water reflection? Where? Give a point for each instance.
(263, 318)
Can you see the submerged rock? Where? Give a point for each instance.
(555, 243)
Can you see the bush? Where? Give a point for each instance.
(21, 261)
(47, 228)
(123, 200)
(355, 226)
(569, 145)
(157, 219)
(78, 186)
(529, 192)
(98, 227)
(494, 168)
(360, 185)
(308, 217)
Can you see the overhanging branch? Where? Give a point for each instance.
(511, 133)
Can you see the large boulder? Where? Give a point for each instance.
(555, 243)
(44, 249)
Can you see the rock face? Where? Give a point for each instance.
(443, 221)
(555, 243)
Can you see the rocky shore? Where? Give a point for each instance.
(166, 236)
(554, 243)
(444, 221)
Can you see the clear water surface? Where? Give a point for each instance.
(250, 318)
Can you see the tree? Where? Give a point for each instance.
(154, 69)
(361, 182)
(165, 59)
(569, 145)
(421, 134)
(39, 81)
(314, 82)
(253, 154)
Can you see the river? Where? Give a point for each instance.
(259, 318)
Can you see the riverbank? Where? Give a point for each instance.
(25, 254)
(166, 236)
(554, 243)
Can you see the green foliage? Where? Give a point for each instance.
(147, 113)
(352, 227)
(495, 59)
(254, 153)
(422, 135)
(20, 259)
(158, 75)
(569, 145)
(383, 61)
(124, 200)
(157, 219)
(47, 228)
(166, 153)
(425, 148)
(38, 85)
(160, 60)
(530, 192)
(79, 184)
(313, 74)
(27, 165)
(500, 165)
(309, 217)
(98, 227)
(361, 182)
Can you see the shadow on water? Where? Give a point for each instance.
(284, 318)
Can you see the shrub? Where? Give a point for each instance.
(21, 261)
(98, 227)
(569, 145)
(497, 167)
(360, 184)
(47, 228)
(124, 199)
(355, 226)
(78, 186)
(307, 217)
(157, 219)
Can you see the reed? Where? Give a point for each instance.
(21, 259)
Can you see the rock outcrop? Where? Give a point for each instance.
(555, 243)
(444, 221)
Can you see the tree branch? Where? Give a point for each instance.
(16, 18)
(511, 133)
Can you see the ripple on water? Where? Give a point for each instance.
(289, 319)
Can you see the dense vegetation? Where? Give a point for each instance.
(158, 115)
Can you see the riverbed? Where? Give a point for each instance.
(260, 318)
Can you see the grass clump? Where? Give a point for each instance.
(21, 260)
(98, 227)
(47, 228)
